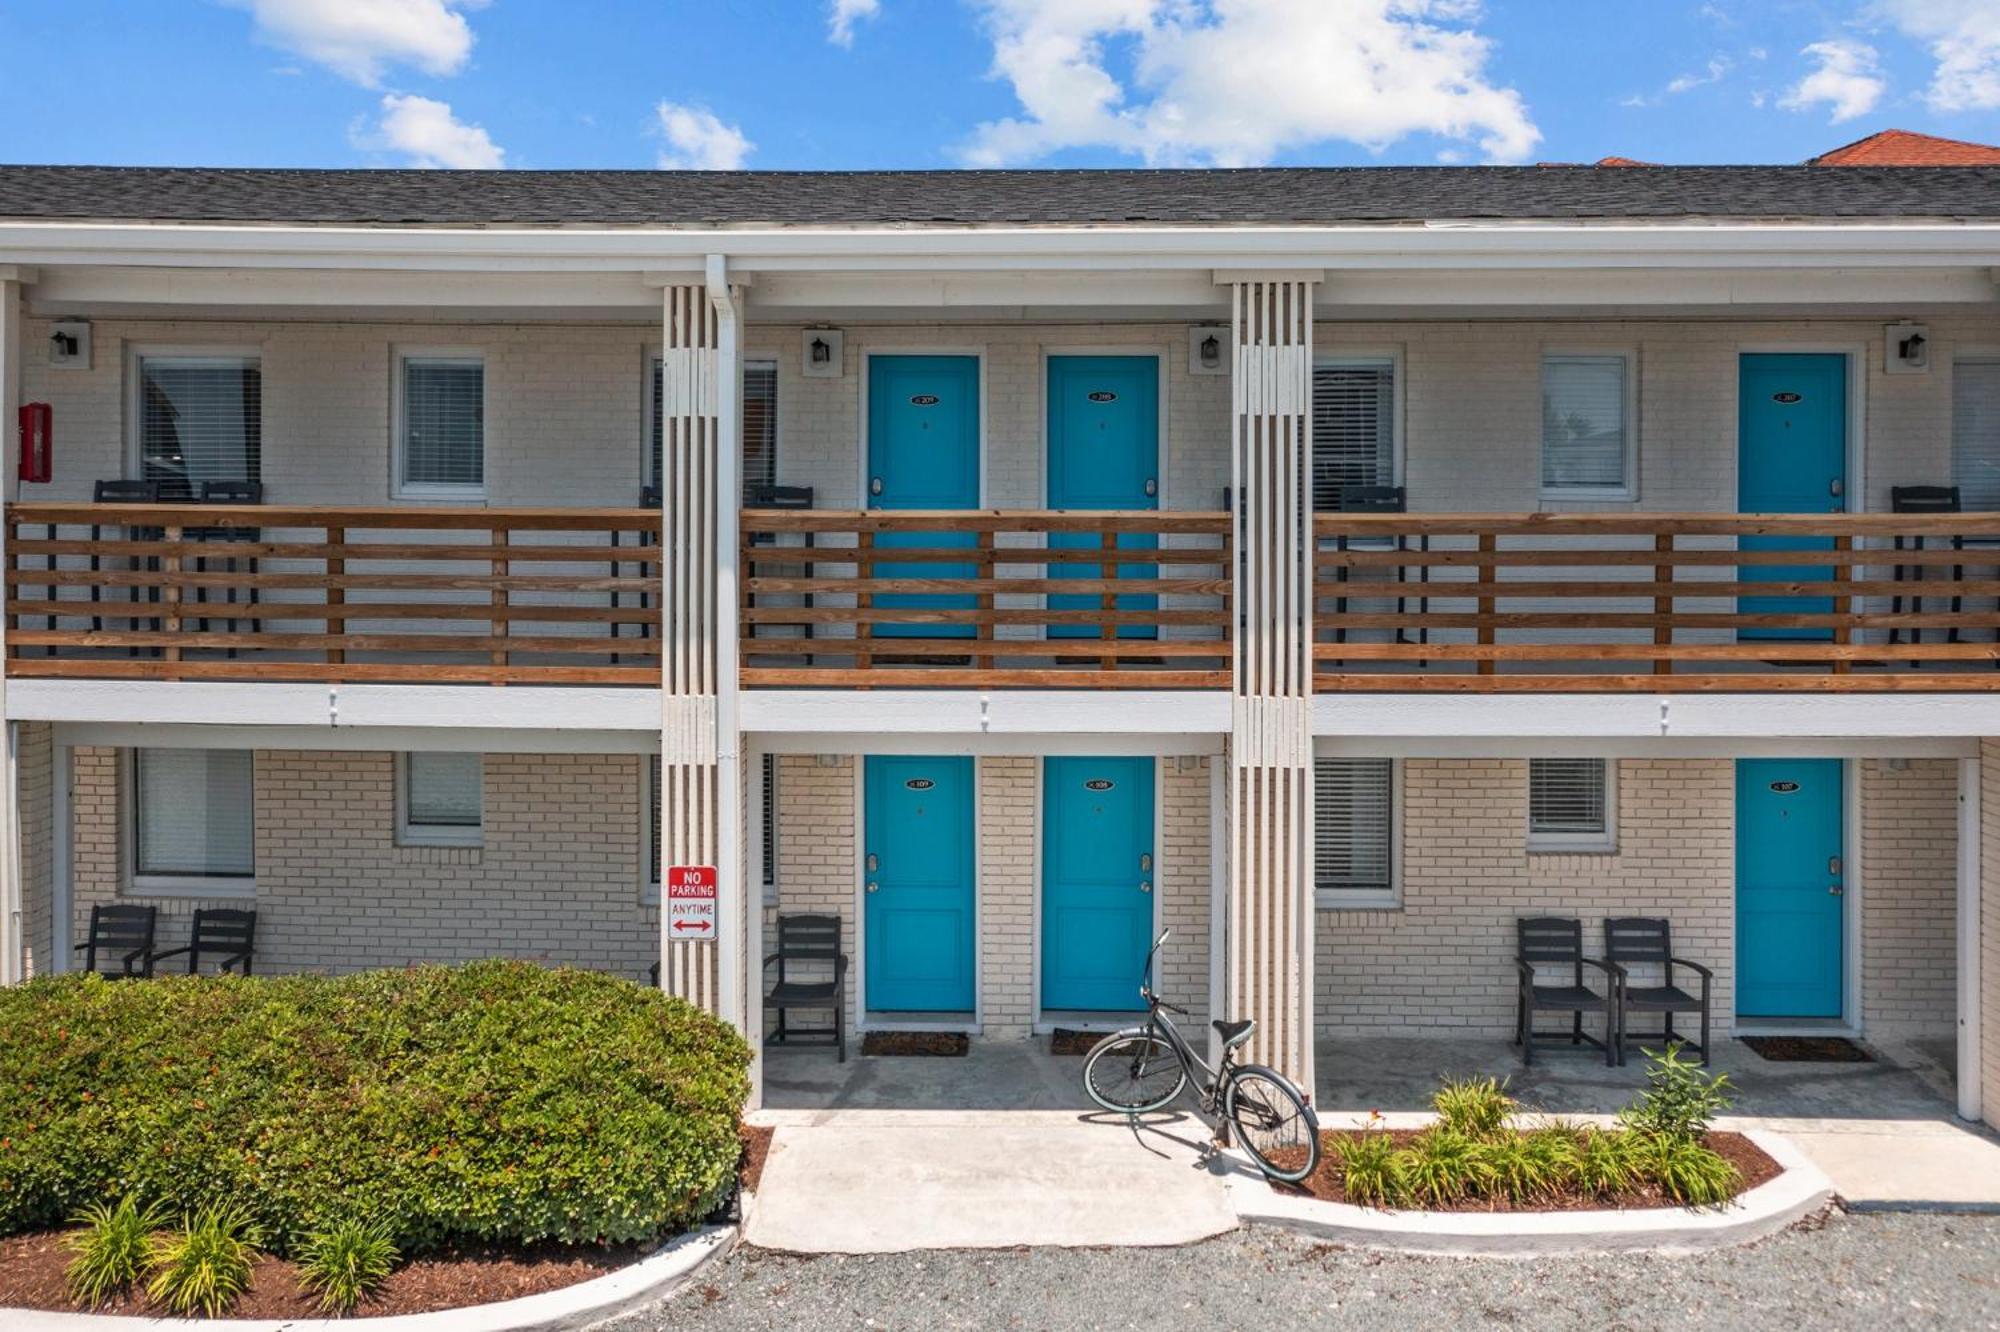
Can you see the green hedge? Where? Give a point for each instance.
(495, 1101)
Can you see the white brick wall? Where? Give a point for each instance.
(37, 811)
(1909, 873)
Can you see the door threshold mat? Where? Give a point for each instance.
(1070, 1041)
(936, 1044)
(1808, 1049)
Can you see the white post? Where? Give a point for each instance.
(732, 893)
(753, 919)
(1971, 1067)
(11, 942)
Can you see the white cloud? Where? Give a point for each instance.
(1689, 82)
(842, 15)
(698, 141)
(357, 39)
(1235, 82)
(1964, 39)
(431, 136)
(1848, 79)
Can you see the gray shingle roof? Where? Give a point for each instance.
(1270, 195)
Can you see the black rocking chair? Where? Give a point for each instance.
(1556, 941)
(124, 936)
(227, 935)
(810, 944)
(1646, 941)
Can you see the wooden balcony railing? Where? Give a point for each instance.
(384, 593)
(986, 599)
(1657, 602)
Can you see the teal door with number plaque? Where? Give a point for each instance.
(923, 453)
(1104, 453)
(1790, 890)
(918, 909)
(1097, 881)
(1791, 457)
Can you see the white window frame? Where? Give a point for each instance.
(1368, 358)
(434, 490)
(1355, 899)
(1599, 843)
(135, 387)
(1628, 490)
(436, 834)
(654, 356)
(649, 810)
(180, 885)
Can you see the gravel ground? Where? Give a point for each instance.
(1873, 1271)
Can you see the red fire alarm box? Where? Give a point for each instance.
(37, 441)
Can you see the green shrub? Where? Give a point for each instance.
(204, 1264)
(1372, 1170)
(1681, 1097)
(1528, 1167)
(1441, 1167)
(345, 1263)
(498, 1101)
(1606, 1161)
(1687, 1171)
(110, 1248)
(1473, 1107)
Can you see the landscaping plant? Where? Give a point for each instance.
(1476, 1108)
(345, 1263)
(1681, 1098)
(204, 1264)
(1442, 1166)
(1372, 1169)
(1689, 1172)
(1531, 1167)
(1606, 1161)
(110, 1247)
(495, 1102)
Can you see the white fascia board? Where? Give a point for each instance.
(971, 712)
(164, 703)
(1471, 244)
(1720, 289)
(326, 707)
(1641, 747)
(428, 739)
(956, 744)
(85, 285)
(1694, 716)
(533, 707)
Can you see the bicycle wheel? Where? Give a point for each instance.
(1133, 1071)
(1273, 1123)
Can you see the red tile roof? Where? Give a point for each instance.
(1621, 161)
(1894, 147)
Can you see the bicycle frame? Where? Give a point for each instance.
(1208, 1080)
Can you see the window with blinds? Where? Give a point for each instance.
(443, 425)
(760, 426)
(442, 799)
(769, 831)
(1586, 438)
(1354, 428)
(1354, 830)
(1975, 433)
(200, 418)
(1569, 803)
(193, 815)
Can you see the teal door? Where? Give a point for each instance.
(1789, 889)
(917, 896)
(1791, 457)
(1097, 881)
(1104, 453)
(923, 453)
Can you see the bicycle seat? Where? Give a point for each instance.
(1234, 1033)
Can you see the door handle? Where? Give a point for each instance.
(1836, 487)
(1145, 885)
(1833, 864)
(872, 885)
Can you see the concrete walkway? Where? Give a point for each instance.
(889, 1181)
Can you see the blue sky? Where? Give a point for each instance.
(949, 83)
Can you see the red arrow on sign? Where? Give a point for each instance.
(693, 925)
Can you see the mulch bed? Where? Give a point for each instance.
(756, 1147)
(1808, 1049)
(1748, 1158)
(1068, 1041)
(921, 1044)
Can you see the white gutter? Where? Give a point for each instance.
(1460, 244)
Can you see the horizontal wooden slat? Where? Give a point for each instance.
(988, 647)
(1209, 587)
(1767, 650)
(351, 672)
(117, 608)
(984, 520)
(354, 518)
(1985, 526)
(917, 677)
(1718, 683)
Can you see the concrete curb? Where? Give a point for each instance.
(584, 1305)
(1770, 1207)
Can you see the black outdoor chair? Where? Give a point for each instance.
(795, 498)
(809, 944)
(119, 491)
(1644, 941)
(229, 492)
(123, 936)
(650, 497)
(227, 935)
(1378, 499)
(1557, 942)
(1923, 499)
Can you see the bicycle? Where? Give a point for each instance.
(1144, 1068)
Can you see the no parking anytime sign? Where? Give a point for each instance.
(691, 901)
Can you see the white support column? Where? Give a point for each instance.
(1971, 1062)
(1270, 752)
(11, 917)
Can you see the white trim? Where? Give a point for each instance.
(1971, 1065)
(1000, 712)
(1341, 899)
(1848, 1022)
(1854, 485)
(1391, 354)
(130, 400)
(435, 834)
(1603, 842)
(435, 491)
(861, 452)
(1586, 746)
(1783, 717)
(1218, 901)
(1853, 894)
(1628, 491)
